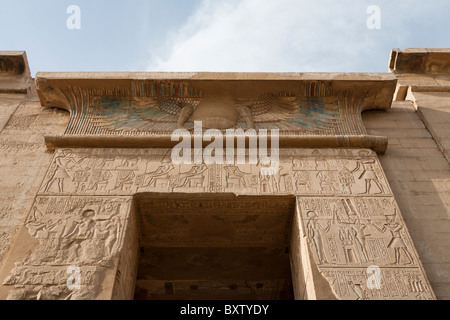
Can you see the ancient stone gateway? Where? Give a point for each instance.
(115, 218)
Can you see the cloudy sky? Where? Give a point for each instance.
(221, 35)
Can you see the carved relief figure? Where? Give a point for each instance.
(234, 173)
(280, 180)
(302, 181)
(61, 169)
(368, 172)
(358, 290)
(326, 182)
(162, 172)
(192, 178)
(124, 179)
(346, 180)
(36, 227)
(356, 230)
(108, 231)
(99, 180)
(397, 243)
(314, 229)
(265, 183)
(84, 228)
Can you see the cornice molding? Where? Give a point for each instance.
(143, 109)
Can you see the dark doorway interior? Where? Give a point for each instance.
(214, 247)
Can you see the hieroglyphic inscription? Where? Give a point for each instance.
(347, 236)
(131, 171)
(83, 231)
(349, 215)
(395, 284)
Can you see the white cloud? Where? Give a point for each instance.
(280, 36)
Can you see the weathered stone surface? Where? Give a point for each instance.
(123, 110)
(347, 211)
(70, 231)
(419, 175)
(131, 171)
(108, 215)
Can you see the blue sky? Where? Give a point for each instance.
(220, 35)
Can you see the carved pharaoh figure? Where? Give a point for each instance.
(397, 243)
(368, 172)
(61, 169)
(357, 231)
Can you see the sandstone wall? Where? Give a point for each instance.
(24, 159)
(416, 163)
(419, 176)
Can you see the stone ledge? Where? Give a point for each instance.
(15, 77)
(429, 61)
(376, 143)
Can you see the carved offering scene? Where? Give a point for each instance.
(362, 247)
(131, 171)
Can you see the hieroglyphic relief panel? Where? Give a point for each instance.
(395, 284)
(85, 232)
(348, 236)
(348, 211)
(183, 221)
(245, 290)
(131, 171)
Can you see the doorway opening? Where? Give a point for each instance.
(214, 247)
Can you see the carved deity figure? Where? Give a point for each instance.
(234, 172)
(314, 229)
(108, 231)
(357, 231)
(280, 179)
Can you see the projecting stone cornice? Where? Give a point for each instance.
(14, 72)
(320, 110)
(420, 61)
